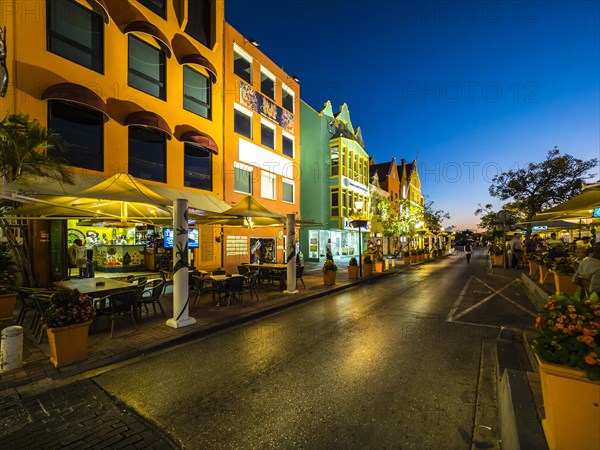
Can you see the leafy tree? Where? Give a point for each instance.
(542, 185)
(433, 218)
(24, 145)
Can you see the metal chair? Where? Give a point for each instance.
(219, 272)
(232, 288)
(167, 278)
(250, 283)
(120, 304)
(243, 270)
(204, 286)
(150, 295)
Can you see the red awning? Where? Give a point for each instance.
(199, 138)
(74, 93)
(148, 119)
(199, 60)
(105, 14)
(147, 28)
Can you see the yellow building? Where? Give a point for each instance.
(132, 86)
(261, 138)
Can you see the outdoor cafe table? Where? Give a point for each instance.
(91, 287)
(280, 268)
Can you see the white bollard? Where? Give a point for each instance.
(11, 348)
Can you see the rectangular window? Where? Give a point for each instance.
(287, 98)
(287, 145)
(146, 68)
(147, 154)
(267, 83)
(242, 123)
(196, 93)
(197, 167)
(242, 65)
(335, 161)
(267, 136)
(156, 6)
(242, 179)
(75, 33)
(83, 131)
(199, 21)
(335, 203)
(287, 191)
(267, 185)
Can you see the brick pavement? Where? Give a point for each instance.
(78, 415)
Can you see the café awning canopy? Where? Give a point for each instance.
(582, 206)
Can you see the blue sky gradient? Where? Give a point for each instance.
(467, 88)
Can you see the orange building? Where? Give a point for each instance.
(261, 138)
(132, 86)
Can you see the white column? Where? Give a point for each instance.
(180, 266)
(291, 254)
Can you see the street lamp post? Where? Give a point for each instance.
(359, 223)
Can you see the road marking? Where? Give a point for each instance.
(452, 316)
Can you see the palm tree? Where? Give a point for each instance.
(24, 145)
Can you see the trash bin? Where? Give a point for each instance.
(11, 348)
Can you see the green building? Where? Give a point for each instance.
(334, 179)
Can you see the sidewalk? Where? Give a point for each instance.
(153, 334)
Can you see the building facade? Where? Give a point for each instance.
(262, 142)
(335, 177)
(132, 86)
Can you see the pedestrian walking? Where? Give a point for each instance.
(468, 251)
(328, 251)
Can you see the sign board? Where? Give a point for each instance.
(540, 228)
(596, 212)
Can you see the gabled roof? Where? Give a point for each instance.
(382, 170)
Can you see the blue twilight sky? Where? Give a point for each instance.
(469, 89)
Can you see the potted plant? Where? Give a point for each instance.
(498, 254)
(563, 271)
(567, 350)
(8, 287)
(379, 262)
(406, 257)
(67, 321)
(329, 270)
(367, 265)
(353, 269)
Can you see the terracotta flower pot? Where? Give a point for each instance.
(406, 260)
(571, 404)
(7, 306)
(68, 344)
(498, 260)
(378, 267)
(353, 272)
(367, 270)
(329, 277)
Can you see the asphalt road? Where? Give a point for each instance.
(393, 364)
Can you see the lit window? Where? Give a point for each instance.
(335, 161)
(75, 33)
(267, 185)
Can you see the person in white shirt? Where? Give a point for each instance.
(516, 248)
(589, 269)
